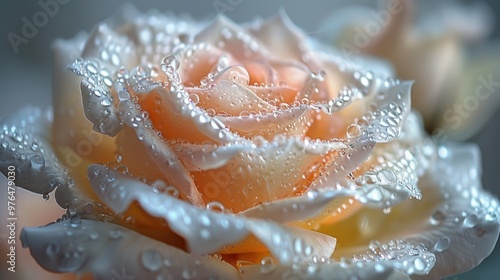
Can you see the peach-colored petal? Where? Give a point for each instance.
(160, 153)
(271, 171)
(289, 122)
(205, 231)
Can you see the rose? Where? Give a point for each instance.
(455, 81)
(197, 159)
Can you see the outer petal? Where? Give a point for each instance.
(25, 139)
(78, 247)
(456, 220)
(322, 271)
(205, 231)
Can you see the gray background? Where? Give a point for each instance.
(25, 77)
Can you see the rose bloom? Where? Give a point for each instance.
(186, 150)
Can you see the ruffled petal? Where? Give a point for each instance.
(280, 36)
(205, 231)
(270, 171)
(455, 216)
(289, 122)
(324, 271)
(78, 248)
(161, 154)
(175, 115)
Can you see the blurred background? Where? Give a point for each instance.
(25, 73)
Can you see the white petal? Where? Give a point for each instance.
(205, 231)
(25, 150)
(322, 271)
(297, 208)
(393, 104)
(96, 96)
(110, 251)
(292, 245)
(463, 230)
(344, 163)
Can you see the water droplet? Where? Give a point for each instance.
(151, 259)
(123, 96)
(94, 235)
(52, 249)
(471, 221)
(106, 102)
(353, 130)
(437, 217)
(172, 191)
(215, 206)
(442, 244)
(194, 98)
(419, 264)
(188, 274)
(115, 233)
(170, 63)
(312, 194)
(37, 161)
(267, 265)
(75, 221)
(122, 169)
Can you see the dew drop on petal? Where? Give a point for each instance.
(353, 130)
(471, 221)
(215, 206)
(267, 265)
(437, 217)
(37, 161)
(442, 244)
(170, 63)
(151, 260)
(52, 249)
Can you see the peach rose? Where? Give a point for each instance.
(225, 151)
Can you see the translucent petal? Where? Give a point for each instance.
(25, 150)
(454, 216)
(160, 152)
(205, 231)
(270, 171)
(319, 270)
(97, 97)
(78, 248)
(289, 122)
